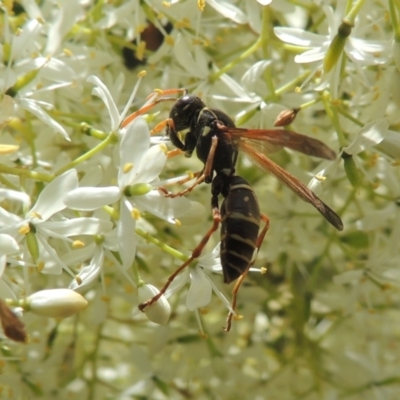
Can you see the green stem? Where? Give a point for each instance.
(214, 77)
(395, 20)
(351, 16)
(111, 138)
(24, 172)
(161, 245)
(333, 115)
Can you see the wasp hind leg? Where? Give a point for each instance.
(232, 314)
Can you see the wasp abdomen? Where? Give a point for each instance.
(240, 222)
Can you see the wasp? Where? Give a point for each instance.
(190, 113)
(217, 141)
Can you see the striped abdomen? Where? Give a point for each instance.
(240, 214)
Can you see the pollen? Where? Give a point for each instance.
(204, 311)
(24, 229)
(237, 317)
(140, 50)
(78, 280)
(106, 299)
(8, 148)
(127, 167)
(177, 223)
(135, 213)
(78, 244)
(67, 52)
(263, 270)
(128, 288)
(201, 4)
(320, 178)
(164, 148)
(36, 215)
(140, 28)
(203, 335)
(142, 73)
(166, 4)
(40, 266)
(169, 40)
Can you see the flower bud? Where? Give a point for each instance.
(13, 328)
(54, 303)
(337, 45)
(160, 310)
(352, 172)
(286, 117)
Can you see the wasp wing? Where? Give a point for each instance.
(292, 183)
(274, 139)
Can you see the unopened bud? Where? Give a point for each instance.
(337, 45)
(160, 310)
(352, 172)
(54, 303)
(13, 328)
(286, 117)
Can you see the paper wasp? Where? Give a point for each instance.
(217, 141)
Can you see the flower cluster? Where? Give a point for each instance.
(88, 232)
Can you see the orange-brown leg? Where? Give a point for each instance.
(195, 254)
(241, 278)
(158, 99)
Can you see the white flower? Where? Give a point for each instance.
(372, 134)
(139, 168)
(21, 71)
(36, 227)
(358, 50)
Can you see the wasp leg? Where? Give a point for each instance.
(241, 278)
(195, 254)
(205, 175)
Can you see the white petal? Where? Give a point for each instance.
(228, 11)
(184, 57)
(32, 107)
(126, 236)
(89, 273)
(50, 199)
(151, 165)
(102, 91)
(77, 226)
(80, 255)
(254, 73)
(163, 207)
(134, 145)
(372, 134)
(14, 195)
(7, 108)
(299, 37)
(91, 198)
(199, 294)
(312, 55)
(8, 245)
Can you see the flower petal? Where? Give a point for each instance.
(76, 226)
(89, 273)
(163, 207)
(102, 91)
(199, 294)
(134, 145)
(50, 199)
(91, 198)
(8, 245)
(126, 235)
